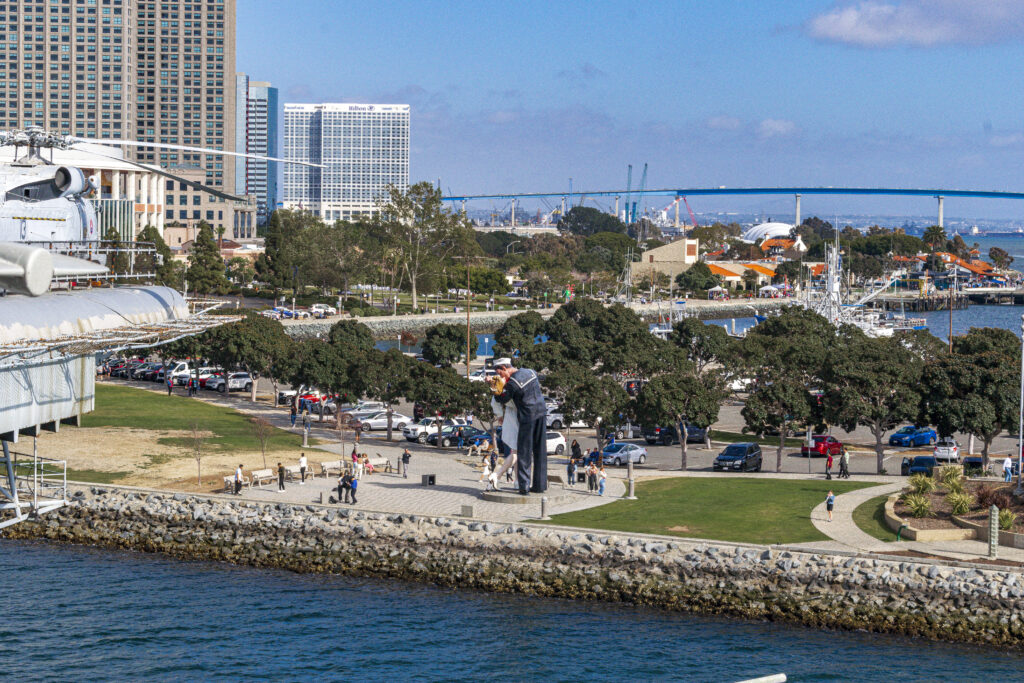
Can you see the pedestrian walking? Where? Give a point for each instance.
(238, 480)
(828, 466)
(355, 485)
(406, 456)
(460, 437)
(571, 470)
(280, 477)
(844, 465)
(294, 413)
(302, 469)
(602, 477)
(346, 485)
(592, 477)
(342, 485)
(830, 501)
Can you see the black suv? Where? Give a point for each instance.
(667, 436)
(740, 457)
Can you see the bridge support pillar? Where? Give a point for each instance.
(563, 207)
(676, 225)
(463, 207)
(513, 212)
(796, 221)
(940, 198)
(616, 207)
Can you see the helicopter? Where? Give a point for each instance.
(42, 202)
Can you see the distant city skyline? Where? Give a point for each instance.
(518, 98)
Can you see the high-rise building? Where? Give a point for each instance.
(256, 131)
(151, 71)
(363, 149)
(69, 66)
(185, 74)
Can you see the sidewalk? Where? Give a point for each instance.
(847, 536)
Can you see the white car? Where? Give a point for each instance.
(418, 431)
(621, 453)
(364, 407)
(379, 420)
(234, 381)
(947, 449)
(322, 310)
(482, 375)
(556, 443)
(556, 420)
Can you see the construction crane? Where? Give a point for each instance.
(640, 194)
(629, 186)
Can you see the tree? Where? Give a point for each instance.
(614, 244)
(262, 430)
(518, 333)
(444, 344)
(874, 383)
(205, 265)
(703, 344)
(934, 236)
(421, 233)
(970, 390)
(255, 343)
(597, 400)
(350, 336)
(240, 271)
(386, 377)
(277, 265)
(681, 398)
(713, 237)
(935, 264)
(196, 440)
(1000, 257)
(496, 243)
(442, 392)
(585, 220)
(312, 363)
(485, 281)
(697, 278)
(161, 264)
(117, 260)
(787, 271)
(778, 401)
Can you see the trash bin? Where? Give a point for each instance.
(429, 479)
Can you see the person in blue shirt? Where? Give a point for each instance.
(354, 485)
(522, 387)
(830, 501)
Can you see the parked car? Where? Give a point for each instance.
(233, 381)
(482, 375)
(628, 430)
(973, 464)
(140, 371)
(913, 436)
(418, 431)
(947, 449)
(621, 453)
(363, 407)
(822, 445)
(206, 374)
(322, 310)
(742, 457)
(922, 464)
(379, 420)
(556, 443)
(667, 436)
(449, 437)
(556, 420)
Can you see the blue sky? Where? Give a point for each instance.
(521, 96)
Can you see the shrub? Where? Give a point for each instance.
(999, 496)
(960, 502)
(954, 486)
(919, 504)
(921, 483)
(1007, 518)
(951, 477)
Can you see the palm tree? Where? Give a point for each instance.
(934, 236)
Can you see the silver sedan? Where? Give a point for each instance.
(379, 420)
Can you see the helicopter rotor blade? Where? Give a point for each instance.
(183, 148)
(159, 171)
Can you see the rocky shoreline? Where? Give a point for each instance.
(389, 327)
(912, 597)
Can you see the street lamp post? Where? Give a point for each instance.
(1020, 423)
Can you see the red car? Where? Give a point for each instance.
(823, 445)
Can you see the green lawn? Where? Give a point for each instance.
(745, 510)
(870, 517)
(122, 406)
(94, 476)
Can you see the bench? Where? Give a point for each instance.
(229, 483)
(379, 462)
(332, 466)
(295, 472)
(259, 476)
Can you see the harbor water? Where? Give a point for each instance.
(76, 613)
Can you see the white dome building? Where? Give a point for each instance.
(767, 231)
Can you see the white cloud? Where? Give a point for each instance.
(773, 128)
(723, 123)
(919, 23)
(1011, 140)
